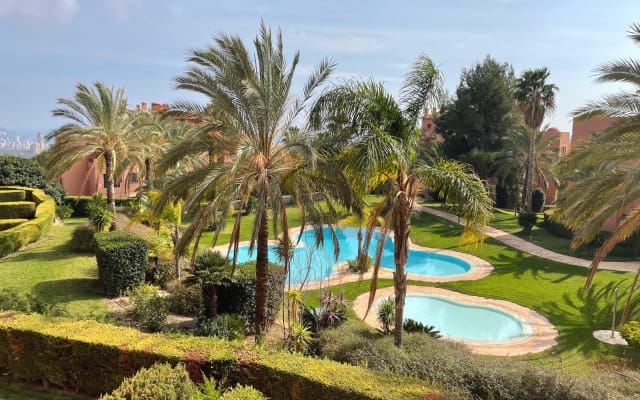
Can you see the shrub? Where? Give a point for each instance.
(224, 326)
(26, 303)
(299, 337)
(30, 231)
(98, 213)
(149, 308)
(413, 326)
(63, 212)
(11, 223)
(17, 209)
(56, 191)
(12, 195)
(20, 171)
(161, 272)
(209, 271)
(362, 266)
(78, 204)
(243, 393)
(239, 297)
(159, 382)
(122, 261)
(631, 333)
(82, 238)
(527, 220)
(537, 200)
(387, 314)
(184, 300)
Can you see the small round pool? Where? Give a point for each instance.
(311, 263)
(461, 320)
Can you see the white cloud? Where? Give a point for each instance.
(57, 11)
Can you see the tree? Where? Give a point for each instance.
(536, 98)
(210, 270)
(609, 185)
(475, 123)
(100, 125)
(246, 132)
(378, 140)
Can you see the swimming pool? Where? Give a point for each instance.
(311, 263)
(461, 320)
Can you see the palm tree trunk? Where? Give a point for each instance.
(109, 159)
(262, 261)
(147, 172)
(211, 301)
(401, 253)
(528, 182)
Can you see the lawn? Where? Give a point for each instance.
(55, 275)
(19, 391)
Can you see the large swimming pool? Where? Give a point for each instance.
(311, 263)
(461, 320)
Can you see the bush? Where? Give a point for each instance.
(26, 303)
(122, 261)
(387, 313)
(527, 220)
(631, 333)
(56, 191)
(82, 238)
(538, 199)
(413, 326)
(12, 195)
(11, 223)
(63, 212)
(243, 393)
(299, 338)
(184, 300)
(160, 272)
(149, 308)
(78, 204)
(239, 297)
(99, 213)
(20, 171)
(30, 231)
(17, 209)
(361, 266)
(159, 382)
(224, 326)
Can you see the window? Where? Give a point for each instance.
(429, 126)
(133, 177)
(563, 150)
(104, 181)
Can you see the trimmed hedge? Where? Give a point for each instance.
(30, 231)
(11, 223)
(79, 204)
(17, 209)
(94, 358)
(554, 227)
(122, 261)
(12, 195)
(239, 297)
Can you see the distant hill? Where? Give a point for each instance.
(19, 143)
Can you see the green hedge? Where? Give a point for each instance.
(79, 204)
(12, 195)
(30, 231)
(555, 227)
(239, 297)
(94, 358)
(11, 223)
(122, 261)
(17, 209)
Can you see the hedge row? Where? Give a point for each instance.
(79, 204)
(30, 231)
(17, 209)
(12, 195)
(122, 261)
(11, 223)
(94, 358)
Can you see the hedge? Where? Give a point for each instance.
(94, 358)
(554, 227)
(30, 231)
(122, 261)
(12, 195)
(11, 223)
(17, 209)
(239, 297)
(79, 204)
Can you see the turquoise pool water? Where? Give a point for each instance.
(462, 321)
(311, 263)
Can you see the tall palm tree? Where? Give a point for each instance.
(378, 139)
(99, 124)
(612, 189)
(535, 98)
(247, 134)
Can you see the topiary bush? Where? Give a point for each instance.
(159, 382)
(149, 308)
(243, 393)
(185, 300)
(122, 261)
(17, 209)
(11, 223)
(239, 297)
(538, 199)
(12, 195)
(527, 220)
(631, 333)
(82, 238)
(20, 171)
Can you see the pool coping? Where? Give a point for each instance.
(540, 336)
(341, 274)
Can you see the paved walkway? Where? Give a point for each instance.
(523, 245)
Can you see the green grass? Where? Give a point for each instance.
(19, 391)
(552, 289)
(55, 275)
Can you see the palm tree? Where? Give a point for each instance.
(612, 189)
(378, 138)
(247, 133)
(210, 270)
(101, 125)
(536, 98)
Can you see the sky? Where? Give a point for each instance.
(47, 47)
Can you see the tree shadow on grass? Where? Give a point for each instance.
(68, 290)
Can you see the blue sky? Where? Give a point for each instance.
(48, 46)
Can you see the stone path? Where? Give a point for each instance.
(523, 245)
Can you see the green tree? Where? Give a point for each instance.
(210, 270)
(536, 98)
(378, 140)
(609, 184)
(246, 132)
(99, 124)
